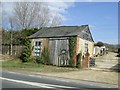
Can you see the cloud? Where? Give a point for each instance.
(37, 0)
(59, 8)
(59, 0)
(56, 8)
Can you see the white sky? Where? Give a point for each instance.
(60, 0)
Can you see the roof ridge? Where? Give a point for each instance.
(62, 26)
(67, 26)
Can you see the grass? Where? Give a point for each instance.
(34, 67)
(18, 64)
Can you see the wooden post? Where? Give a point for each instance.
(11, 43)
(11, 25)
(0, 40)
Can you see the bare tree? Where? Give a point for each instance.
(43, 17)
(32, 14)
(56, 21)
(25, 14)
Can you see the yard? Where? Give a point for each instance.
(110, 56)
(107, 61)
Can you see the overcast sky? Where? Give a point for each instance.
(102, 17)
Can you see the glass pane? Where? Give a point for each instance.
(39, 43)
(35, 43)
(37, 48)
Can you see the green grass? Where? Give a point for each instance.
(34, 67)
(18, 64)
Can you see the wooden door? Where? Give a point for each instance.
(59, 51)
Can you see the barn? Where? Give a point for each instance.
(57, 40)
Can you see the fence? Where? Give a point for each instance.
(16, 50)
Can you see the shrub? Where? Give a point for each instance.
(39, 60)
(27, 51)
(45, 58)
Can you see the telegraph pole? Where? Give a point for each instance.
(11, 37)
(11, 42)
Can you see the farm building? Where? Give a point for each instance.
(56, 39)
(96, 51)
(99, 51)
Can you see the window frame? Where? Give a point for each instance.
(86, 47)
(37, 47)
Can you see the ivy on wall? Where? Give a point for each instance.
(72, 51)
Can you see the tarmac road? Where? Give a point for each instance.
(21, 80)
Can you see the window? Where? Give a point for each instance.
(37, 48)
(37, 43)
(86, 47)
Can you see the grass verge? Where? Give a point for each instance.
(34, 67)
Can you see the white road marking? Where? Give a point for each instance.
(13, 72)
(42, 85)
(35, 76)
(62, 80)
(26, 82)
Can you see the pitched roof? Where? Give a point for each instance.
(61, 31)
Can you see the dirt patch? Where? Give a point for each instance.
(107, 61)
(89, 75)
(5, 57)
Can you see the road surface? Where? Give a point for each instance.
(20, 80)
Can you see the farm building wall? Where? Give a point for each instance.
(81, 46)
(44, 43)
